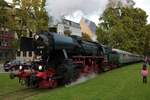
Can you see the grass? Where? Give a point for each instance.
(8, 85)
(121, 84)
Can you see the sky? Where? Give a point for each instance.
(144, 4)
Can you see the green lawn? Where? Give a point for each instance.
(8, 85)
(121, 84)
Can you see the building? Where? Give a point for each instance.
(68, 27)
(6, 37)
(88, 27)
(6, 49)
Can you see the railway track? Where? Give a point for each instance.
(21, 94)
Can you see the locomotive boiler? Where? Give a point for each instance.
(63, 60)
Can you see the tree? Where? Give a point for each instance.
(103, 36)
(145, 40)
(3, 13)
(30, 15)
(121, 28)
(38, 17)
(120, 3)
(27, 16)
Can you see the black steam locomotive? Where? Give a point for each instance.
(63, 59)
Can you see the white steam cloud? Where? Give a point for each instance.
(75, 9)
(82, 79)
(62, 8)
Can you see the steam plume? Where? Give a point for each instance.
(82, 79)
(61, 8)
(75, 9)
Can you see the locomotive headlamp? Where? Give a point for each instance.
(36, 37)
(20, 67)
(40, 67)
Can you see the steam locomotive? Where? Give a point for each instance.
(64, 59)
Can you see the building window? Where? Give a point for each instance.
(18, 53)
(24, 53)
(30, 53)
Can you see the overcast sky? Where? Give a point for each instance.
(144, 4)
